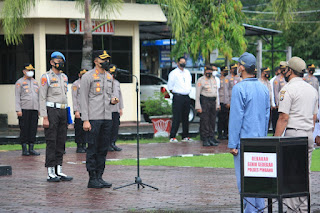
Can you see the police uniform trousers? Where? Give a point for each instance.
(28, 124)
(78, 131)
(180, 112)
(223, 118)
(115, 127)
(56, 136)
(274, 119)
(98, 139)
(302, 202)
(208, 116)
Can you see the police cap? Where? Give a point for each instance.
(102, 54)
(297, 64)
(57, 54)
(27, 66)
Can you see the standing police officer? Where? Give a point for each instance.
(223, 115)
(96, 99)
(264, 79)
(310, 79)
(207, 102)
(53, 109)
(78, 124)
(27, 106)
(298, 109)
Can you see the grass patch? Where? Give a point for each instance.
(315, 165)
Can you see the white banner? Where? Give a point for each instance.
(76, 26)
(260, 164)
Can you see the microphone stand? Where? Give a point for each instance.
(138, 180)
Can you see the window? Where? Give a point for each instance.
(120, 49)
(13, 57)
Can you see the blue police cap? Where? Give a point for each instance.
(58, 55)
(247, 60)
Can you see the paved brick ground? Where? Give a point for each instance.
(180, 189)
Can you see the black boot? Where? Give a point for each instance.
(93, 181)
(79, 148)
(115, 148)
(25, 151)
(220, 137)
(31, 150)
(110, 148)
(213, 141)
(205, 141)
(104, 183)
(84, 147)
(61, 175)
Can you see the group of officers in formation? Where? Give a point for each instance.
(97, 106)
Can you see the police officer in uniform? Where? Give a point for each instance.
(207, 102)
(274, 109)
(223, 115)
(78, 124)
(53, 109)
(96, 99)
(310, 79)
(116, 110)
(264, 79)
(232, 79)
(27, 106)
(298, 107)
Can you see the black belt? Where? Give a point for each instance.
(177, 94)
(297, 129)
(208, 98)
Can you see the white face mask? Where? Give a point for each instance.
(215, 73)
(30, 74)
(238, 71)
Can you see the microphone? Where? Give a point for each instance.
(122, 71)
(113, 68)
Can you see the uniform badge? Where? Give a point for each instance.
(199, 84)
(275, 82)
(98, 89)
(74, 88)
(18, 85)
(281, 97)
(24, 82)
(43, 81)
(108, 77)
(226, 80)
(282, 92)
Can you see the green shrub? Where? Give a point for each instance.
(157, 105)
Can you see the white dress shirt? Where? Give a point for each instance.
(179, 81)
(273, 103)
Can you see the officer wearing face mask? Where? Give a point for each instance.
(232, 79)
(223, 115)
(79, 132)
(27, 106)
(265, 75)
(53, 109)
(310, 79)
(207, 103)
(96, 99)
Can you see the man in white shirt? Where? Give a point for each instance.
(274, 110)
(179, 84)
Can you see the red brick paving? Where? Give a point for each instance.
(181, 189)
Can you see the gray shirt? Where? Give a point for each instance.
(95, 95)
(117, 93)
(313, 81)
(224, 91)
(27, 94)
(53, 88)
(76, 95)
(206, 87)
(231, 81)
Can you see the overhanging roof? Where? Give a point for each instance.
(158, 30)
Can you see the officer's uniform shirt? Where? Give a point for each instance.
(207, 88)
(296, 97)
(268, 85)
(278, 83)
(117, 93)
(76, 96)
(27, 94)
(179, 81)
(53, 89)
(231, 81)
(313, 81)
(95, 95)
(223, 91)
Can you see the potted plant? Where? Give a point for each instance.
(159, 111)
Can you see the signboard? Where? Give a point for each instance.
(76, 26)
(260, 164)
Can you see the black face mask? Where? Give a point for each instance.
(59, 66)
(209, 74)
(105, 65)
(286, 78)
(266, 75)
(235, 72)
(311, 71)
(183, 65)
(225, 74)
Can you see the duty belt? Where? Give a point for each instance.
(57, 105)
(208, 98)
(298, 129)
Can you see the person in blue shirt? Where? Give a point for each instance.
(249, 117)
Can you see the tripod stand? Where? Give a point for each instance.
(138, 180)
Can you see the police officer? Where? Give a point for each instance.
(298, 107)
(310, 79)
(264, 79)
(116, 110)
(278, 84)
(207, 102)
(53, 109)
(232, 79)
(274, 109)
(78, 124)
(27, 106)
(96, 99)
(223, 115)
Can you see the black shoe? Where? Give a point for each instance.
(25, 151)
(61, 175)
(31, 150)
(84, 147)
(80, 148)
(93, 181)
(115, 148)
(104, 183)
(213, 141)
(110, 149)
(220, 137)
(205, 142)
